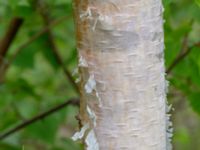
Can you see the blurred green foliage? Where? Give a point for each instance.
(35, 82)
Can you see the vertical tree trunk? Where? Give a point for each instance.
(120, 45)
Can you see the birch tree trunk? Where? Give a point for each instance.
(120, 45)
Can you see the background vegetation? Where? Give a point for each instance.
(38, 94)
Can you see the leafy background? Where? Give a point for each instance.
(35, 75)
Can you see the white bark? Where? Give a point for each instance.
(120, 45)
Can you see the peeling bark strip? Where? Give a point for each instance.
(123, 88)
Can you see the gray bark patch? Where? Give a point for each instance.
(116, 40)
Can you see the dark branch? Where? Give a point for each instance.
(33, 38)
(74, 102)
(181, 56)
(9, 36)
(183, 49)
(55, 52)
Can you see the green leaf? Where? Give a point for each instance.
(47, 52)
(69, 144)
(182, 135)
(26, 108)
(166, 2)
(62, 2)
(23, 11)
(21, 8)
(194, 99)
(197, 2)
(16, 3)
(46, 129)
(58, 2)
(23, 3)
(21, 84)
(25, 59)
(73, 56)
(6, 146)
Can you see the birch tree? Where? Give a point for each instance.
(122, 83)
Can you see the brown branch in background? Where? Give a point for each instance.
(183, 53)
(55, 52)
(184, 44)
(74, 102)
(9, 36)
(183, 49)
(32, 39)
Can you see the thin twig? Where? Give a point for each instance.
(183, 49)
(35, 37)
(180, 57)
(55, 52)
(74, 102)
